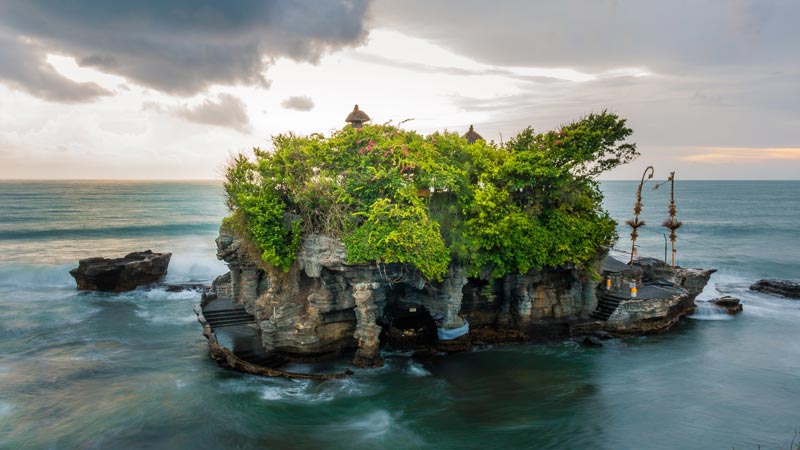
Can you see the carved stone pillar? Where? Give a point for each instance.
(367, 331)
(452, 295)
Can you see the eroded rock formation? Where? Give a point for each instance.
(664, 294)
(732, 305)
(788, 289)
(324, 306)
(121, 274)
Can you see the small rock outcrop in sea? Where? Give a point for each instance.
(784, 288)
(121, 274)
(664, 295)
(732, 305)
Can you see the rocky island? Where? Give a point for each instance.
(121, 274)
(381, 237)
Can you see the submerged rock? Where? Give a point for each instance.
(732, 305)
(592, 341)
(784, 288)
(121, 274)
(180, 287)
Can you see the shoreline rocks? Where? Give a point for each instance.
(784, 288)
(322, 306)
(665, 295)
(732, 305)
(121, 274)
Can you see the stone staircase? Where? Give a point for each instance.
(228, 317)
(607, 303)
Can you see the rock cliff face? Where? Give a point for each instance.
(322, 305)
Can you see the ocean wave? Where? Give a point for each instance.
(710, 311)
(194, 268)
(415, 369)
(380, 425)
(21, 276)
(127, 231)
(299, 391)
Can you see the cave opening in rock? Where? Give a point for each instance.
(407, 324)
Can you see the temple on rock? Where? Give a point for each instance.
(321, 303)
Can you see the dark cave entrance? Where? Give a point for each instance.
(407, 325)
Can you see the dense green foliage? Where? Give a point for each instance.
(395, 196)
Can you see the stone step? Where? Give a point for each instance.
(225, 312)
(230, 316)
(230, 322)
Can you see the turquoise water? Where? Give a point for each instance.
(131, 370)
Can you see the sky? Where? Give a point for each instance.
(171, 89)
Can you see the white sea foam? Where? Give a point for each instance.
(299, 391)
(307, 391)
(381, 425)
(372, 426)
(710, 311)
(5, 408)
(415, 369)
(194, 267)
(160, 317)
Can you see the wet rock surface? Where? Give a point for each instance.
(121, 274)
(591, 341)
(323, 306)
(732, 305)
(665, 295)
(784, 288)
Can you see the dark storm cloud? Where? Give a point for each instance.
(227, 111)
(298, 103)
(597, 34)
(23, 65)
(183, 46)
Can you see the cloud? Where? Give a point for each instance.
(184, 46)
(598, 34)
(742, 154)
(298, 103)
(227, 111)
(23, 66)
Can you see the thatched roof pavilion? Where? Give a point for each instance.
(357, 118)
(472, 136)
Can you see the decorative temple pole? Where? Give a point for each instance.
(672, 223)
(635, 223)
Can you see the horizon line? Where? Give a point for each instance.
(179, 180)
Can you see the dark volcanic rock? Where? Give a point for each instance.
(180, 287)
(121, 274)
(591, 341)
(790, 289)
(731, 304)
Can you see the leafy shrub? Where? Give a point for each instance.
(395, 196)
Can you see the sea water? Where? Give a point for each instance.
(131, 370)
